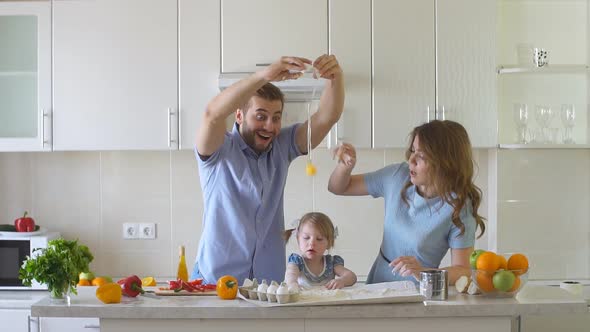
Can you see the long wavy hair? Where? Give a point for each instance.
(447, 150)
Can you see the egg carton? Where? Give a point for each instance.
(251, 290)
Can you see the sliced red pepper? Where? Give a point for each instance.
(196, 282)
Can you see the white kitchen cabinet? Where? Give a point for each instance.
(433, 60)
(115, 75)
(260, 31)
(18, 320)
(25, 76)
(68, 324)
(199, 54)
(351, 44)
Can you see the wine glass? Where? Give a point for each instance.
(568, 117)
(521, 118)
(543, 115)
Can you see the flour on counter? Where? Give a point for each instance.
(387, 292)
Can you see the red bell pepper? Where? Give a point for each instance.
(131, 286)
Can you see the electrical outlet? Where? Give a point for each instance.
(147, 231)
(130, 231)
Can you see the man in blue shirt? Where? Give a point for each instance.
(243, 172)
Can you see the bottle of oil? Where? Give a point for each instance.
(182, 272)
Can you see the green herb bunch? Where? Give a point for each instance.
(57, 266)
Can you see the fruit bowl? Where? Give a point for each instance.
(498, 275)
(500, 283)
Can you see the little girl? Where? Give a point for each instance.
(315, 235)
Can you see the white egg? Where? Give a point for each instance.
(263, 287)
(283, 289)
(272, 289)
(247, 283)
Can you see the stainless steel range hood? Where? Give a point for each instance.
(302, 89)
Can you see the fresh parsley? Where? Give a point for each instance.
(57, 266)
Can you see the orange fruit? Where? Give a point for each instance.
(99, 281)
(488, 261)
(503, 262)
(518, 263)
(515, 286)
(83, 282)
(484, 281)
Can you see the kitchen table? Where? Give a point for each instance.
(460, 312)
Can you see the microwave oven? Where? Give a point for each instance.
(14, 249)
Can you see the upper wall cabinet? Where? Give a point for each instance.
(351, 44)
(115, 74)
(199, 53)
(257, 32)
(433, 60)
(25, 76)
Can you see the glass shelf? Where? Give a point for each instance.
(543, 146)
(549, 69)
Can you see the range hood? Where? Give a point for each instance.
(302, 89)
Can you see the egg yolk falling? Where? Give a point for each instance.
(310, 169)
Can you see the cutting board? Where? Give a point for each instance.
(184, 293)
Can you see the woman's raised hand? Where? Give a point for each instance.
(345, 154)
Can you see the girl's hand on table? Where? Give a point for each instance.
(335, 284)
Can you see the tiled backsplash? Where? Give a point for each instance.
(89, 195)
(544, 207)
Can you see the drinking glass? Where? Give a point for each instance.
(568, 117)
(521, 118)
(543, 115)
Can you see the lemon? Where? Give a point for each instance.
(148, 281)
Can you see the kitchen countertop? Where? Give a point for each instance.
(16, 299)
(85, 304)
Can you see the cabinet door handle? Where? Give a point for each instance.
(263, 64)
(170, 140)
(45, 115)
(91, 326)
(179, 132)
(32, 320)
(441, 114)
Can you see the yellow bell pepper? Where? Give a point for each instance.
(109, 293)
(227, 287)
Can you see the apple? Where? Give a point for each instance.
(24, 224)
(86, 275)
(474, 255)
(107, 278)
(503, 280)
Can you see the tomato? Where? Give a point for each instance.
(227, 287)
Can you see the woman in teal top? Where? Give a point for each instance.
(431, 202)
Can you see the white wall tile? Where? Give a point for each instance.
(15, 186)
(135, 189)
(66, 195)
(543, 210)
(186, 207)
